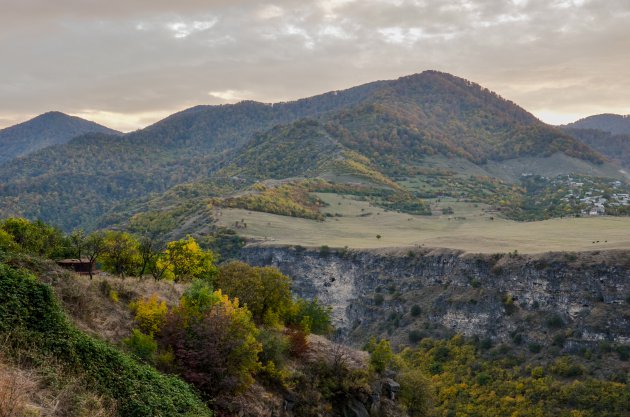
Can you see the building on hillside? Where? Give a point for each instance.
(80, 266)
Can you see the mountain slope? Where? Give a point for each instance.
(48, 129)
(392, 126)
(615, 147)
(612, 123)
(438, 113)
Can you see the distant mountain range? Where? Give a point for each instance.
(52, 128)
(608, 134)
(611, 123)
(372, 133)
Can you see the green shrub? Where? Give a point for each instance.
(483, 378)
(378, 299)
(416, 310)
(554, 321)
(142, 345)
(534, 347)
(415, 392)
(275, 347)
(324, 251)
(566, 367)
(311, 314)
(415, 336)
(381, 356)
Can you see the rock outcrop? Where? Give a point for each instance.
(567, 299)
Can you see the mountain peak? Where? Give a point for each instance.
(616, 124)
(50, 128)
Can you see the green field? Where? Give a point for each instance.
(471, 228)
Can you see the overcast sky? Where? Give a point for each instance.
(128, 63)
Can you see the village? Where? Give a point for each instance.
(594, 195)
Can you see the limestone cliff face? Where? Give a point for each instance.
(561, 299)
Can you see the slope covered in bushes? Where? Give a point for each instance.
(34, 325)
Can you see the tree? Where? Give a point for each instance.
(265, 291)
(77, 242)
(381, 356)
(94, 247)
(184, 260)
(120, 254)
(148, 251)
(36, 238)
(213, 341)
(414, 393)
(311, 316)
(6, 242)
(150, 313)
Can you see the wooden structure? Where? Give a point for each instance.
(80, 266)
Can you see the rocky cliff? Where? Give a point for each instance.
(566, 301)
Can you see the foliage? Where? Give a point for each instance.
(415, 392)
(121, 253)
(311, 316)
(265, 291)
(150, 313)
(94, 246)
(286, 199)
(275, 347)
(35, 238)
(381, 356)
(30, 312)
(142, 345)
(466, 381)
(6, 242)
(184, 260)
(214, 348)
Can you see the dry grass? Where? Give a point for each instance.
(48, 390)
(471, 229)
(100, 306)
(15, 387)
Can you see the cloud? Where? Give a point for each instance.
(129, 63)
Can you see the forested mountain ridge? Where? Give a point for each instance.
(387, 127)
(613, 123)
(614, 146)
(47, 129)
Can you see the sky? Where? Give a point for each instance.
(129, 63)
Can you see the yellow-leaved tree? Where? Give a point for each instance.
(184, 260)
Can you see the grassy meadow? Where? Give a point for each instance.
(471, 227)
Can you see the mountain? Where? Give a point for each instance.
(611, 123)
(377, 130)
(48, 129)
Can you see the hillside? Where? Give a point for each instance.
(614, 146)
(48, 129)
(611, 123)
(372, 133)
(181, 345)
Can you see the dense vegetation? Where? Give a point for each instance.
(219, 340)
(468, 379)
(237, 328)
(614, 146)
(48, 129)
(611, 123)
(36, 328)
(365, 134)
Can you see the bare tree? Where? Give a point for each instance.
(94, 247)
